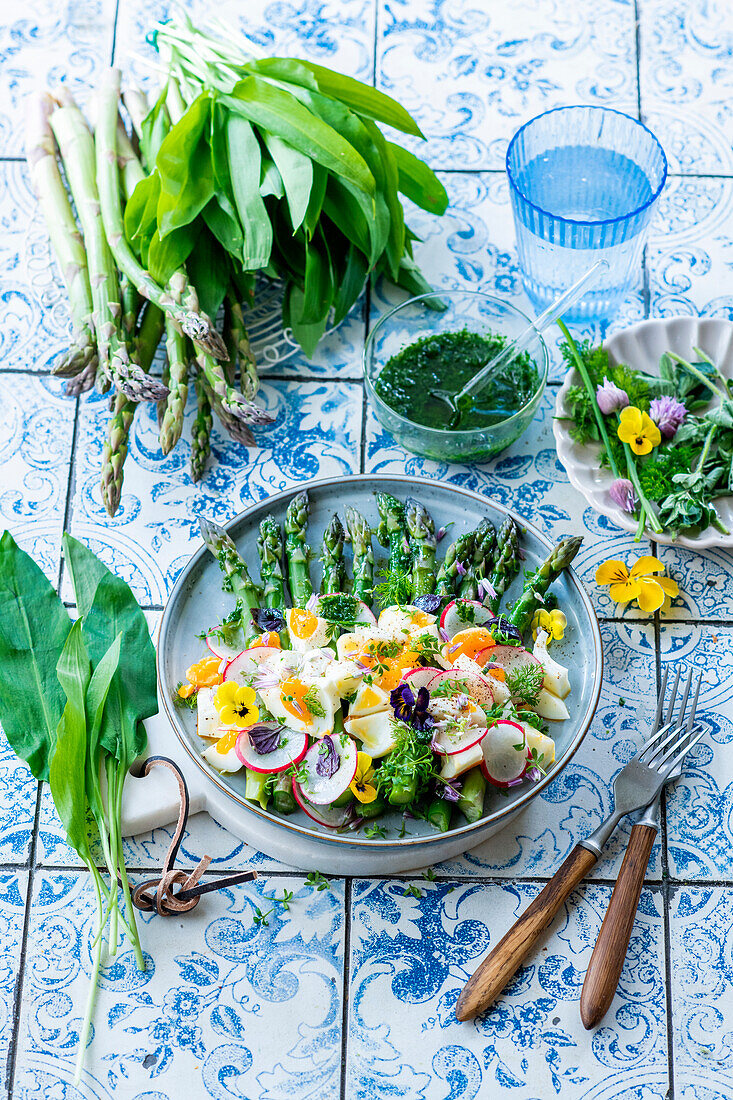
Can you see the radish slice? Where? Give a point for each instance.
(480, 687)
(247, 663)
(475, 614)
(219, 648)
(418, 678)
(363, 615)
(322, 789)
(291, 750)
(511, 657)
(450, 745)
(333, 817)
(504, 764)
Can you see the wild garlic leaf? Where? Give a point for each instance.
(66, 770)
(34, 626)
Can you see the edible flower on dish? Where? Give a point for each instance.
(237, 705)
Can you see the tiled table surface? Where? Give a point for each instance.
(350, 993)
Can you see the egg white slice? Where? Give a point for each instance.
(375, 731)
(227, 762)
(312, 724)
(317, 637)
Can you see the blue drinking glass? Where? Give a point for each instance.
(584, 182)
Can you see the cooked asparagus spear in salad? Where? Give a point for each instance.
(349, 716)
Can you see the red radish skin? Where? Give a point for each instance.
(511, 656)
(474, 735)
(220, 649)
(280, 759)
(418, 678)
(474, 688)
(321, 791)
(503, 765)
(451, 623)
(240, 662)
(331, 817)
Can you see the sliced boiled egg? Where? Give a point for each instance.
(306, 630)
(375, 731)
(544, 745)
(207, 716)
(461, 762)
(222, 755)
(550, 707)
(341, 678)
(556, 675)
(303, 706)
(469, 642)
(370, 698)
(395, 620)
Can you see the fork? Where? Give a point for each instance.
(607, 960)
(636, 786)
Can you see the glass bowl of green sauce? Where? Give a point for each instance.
(438, 342)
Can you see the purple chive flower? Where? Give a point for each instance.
(667, 413)
(486, 588)
(623, 494)
(444, 634)
(460, 568)
(539, 597)
(515, 782)
(611, 397)
(441, 533)
(451, 792)
(402, 700)
(534, 775)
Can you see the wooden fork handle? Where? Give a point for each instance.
(607, 960)
(502, 963)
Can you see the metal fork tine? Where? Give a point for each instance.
(650, 756)
(660, 702)
(655, 742)
(685, 697)
(693, 709)
(678, 756)
(672, 697)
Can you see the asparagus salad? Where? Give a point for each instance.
(348, 715)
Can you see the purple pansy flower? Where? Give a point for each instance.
(611, 397)
(402, 700)
(667, 413)
(623, 494)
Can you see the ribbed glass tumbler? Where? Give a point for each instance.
(583, 182)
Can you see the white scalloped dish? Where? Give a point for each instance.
(641, 347)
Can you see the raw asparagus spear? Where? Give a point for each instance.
(77, 151)
(297, 551)
(458, 554)
(174, 406)
(334, 567)
(237, 429)
(270, 550)
(231, 400)
(423, 544)
(84, 380)
(393, 532)
(439, 814)
(64, 233)
(471, 798)
(250, 379)
(236, 576)
(506, 562)
(481, 561)
(193, 323)
(282, 794)
(202, 425)
(361, 544)
(537, 583)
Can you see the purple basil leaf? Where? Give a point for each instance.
(265, 737)
(268, 618)
(429, 603)
(328, 761)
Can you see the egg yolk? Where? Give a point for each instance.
(292, 697)
(269, 640)
(205, 673)
(396, 667)
(420, 618)
(303, 624)
(227, 742)
(468, 643)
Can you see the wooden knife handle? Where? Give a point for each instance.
(607, 960)
(502, 963)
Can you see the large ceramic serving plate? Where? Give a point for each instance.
(198, 602)
(641, 347)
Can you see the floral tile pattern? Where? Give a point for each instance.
(232, 1005)
(417, 952)
(203, 1014)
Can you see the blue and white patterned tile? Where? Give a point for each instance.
(13, 891)
(686, 71)
(36, 427)
(472, 247)
(224, 1008)
(316, 433)
(705, 578)
(337, 34)
(472, 74)
(18, 795)
(43, 43)
(700, 932)
(689, 253)
(700, 804)
(415, 954)
(571, 807)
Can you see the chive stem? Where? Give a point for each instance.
(583, 372)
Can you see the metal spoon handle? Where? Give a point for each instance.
(524, 340)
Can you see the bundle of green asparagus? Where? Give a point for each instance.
(239, 165)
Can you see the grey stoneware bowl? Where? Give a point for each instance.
(197, 602)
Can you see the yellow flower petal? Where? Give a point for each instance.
(631, 418)
(670, 587)
(225, 694)
(612, 572)
(646, 565)
(650, 430)
(228, 716)
(640, 445)
(623, 593)
(651, 595)
(363, 793)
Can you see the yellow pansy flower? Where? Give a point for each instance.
(552, 622)
(360, 785)
(638, 430)
(640, 584)
(236, 705)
